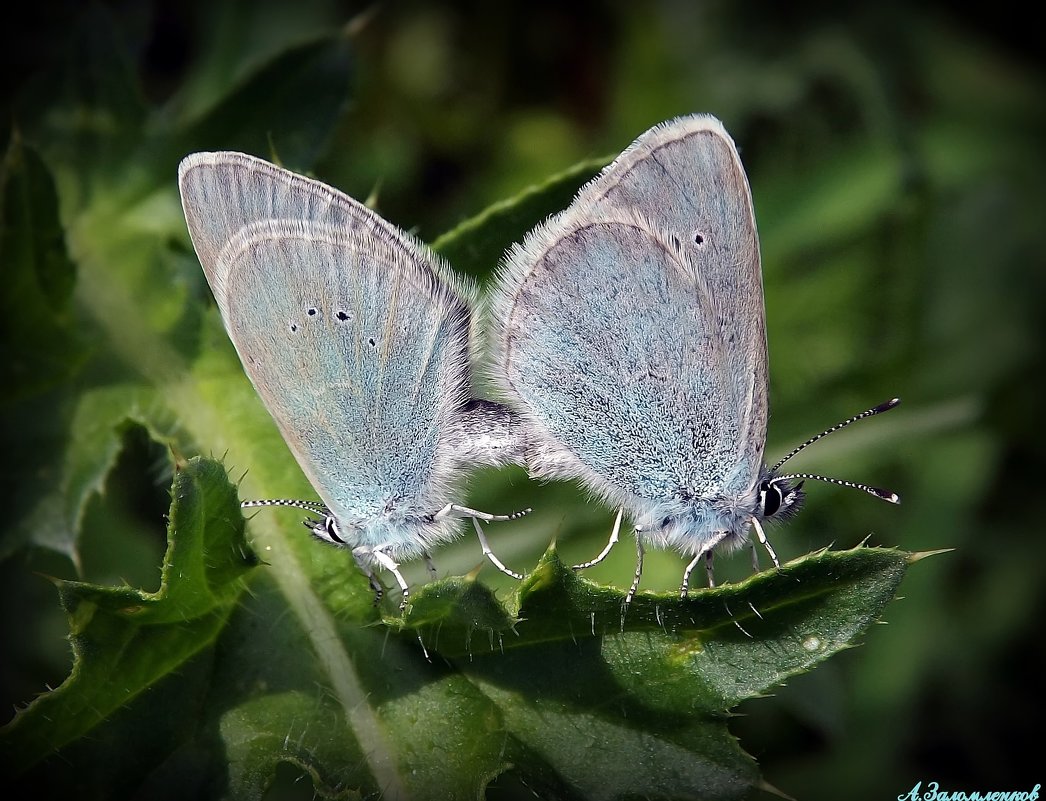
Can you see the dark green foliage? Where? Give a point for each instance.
(896, 163)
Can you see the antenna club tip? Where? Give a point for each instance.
(891, 497)
(885, 407)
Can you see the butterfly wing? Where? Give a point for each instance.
(630, 328)
(354, 335)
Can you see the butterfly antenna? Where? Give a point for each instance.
(886, 495)
(882, 407)
(309, 506)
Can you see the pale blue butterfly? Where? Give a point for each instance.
(629, 333)
(357, 339)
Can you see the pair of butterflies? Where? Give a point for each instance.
(628, 340)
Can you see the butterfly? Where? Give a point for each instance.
(629, 333)
(357, 339)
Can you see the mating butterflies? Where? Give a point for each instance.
(628, 338)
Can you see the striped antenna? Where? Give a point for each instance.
(309, 506)
(886, 495)
(882, 494)
(882, 407)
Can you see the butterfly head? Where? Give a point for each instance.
(778, 499)
(402, 535)
(328, 529)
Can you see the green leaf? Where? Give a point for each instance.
(807, 610)
(326, 691)
(39, 346)
(81, 462)
(42, 350)
(477, 245)
(578, 685)
(124, 640)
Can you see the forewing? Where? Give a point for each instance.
(631, 327)
(224, 192)
(686, 177)
(353, 335)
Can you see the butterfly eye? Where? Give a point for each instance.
(325, 530)
(770, 499)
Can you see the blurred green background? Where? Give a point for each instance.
(897, 165)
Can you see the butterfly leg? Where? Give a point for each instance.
(487, 552)
(375, 585)
(766, 543)
(705, 552)
(639, 571)
(453, 509)
(430, 566)
(755, 557)
(389, 564)
(684, 588)
(610, 544)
